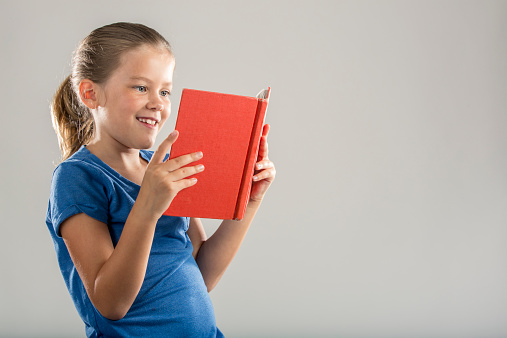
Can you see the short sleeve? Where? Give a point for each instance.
(78, 187)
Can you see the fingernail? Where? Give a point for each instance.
(255, 178)
(198, 154)
(259, 165)
(173, 133)
(194, 180)
(200, 167)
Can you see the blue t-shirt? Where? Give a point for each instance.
(173, 300)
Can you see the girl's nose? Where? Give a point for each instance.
(155, 104)
(157, 107)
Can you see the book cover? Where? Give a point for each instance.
(227, 129)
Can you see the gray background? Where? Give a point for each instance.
(388, 215)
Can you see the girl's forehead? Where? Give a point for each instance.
(146, 54)
(145, 61)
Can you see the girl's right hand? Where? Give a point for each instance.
(164, 179)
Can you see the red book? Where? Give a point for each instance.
(227, 129)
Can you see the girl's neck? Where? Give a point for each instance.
(118, 157)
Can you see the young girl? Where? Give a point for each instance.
(130, 270)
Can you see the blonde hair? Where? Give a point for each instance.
(96, 57)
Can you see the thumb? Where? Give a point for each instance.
(163, 148)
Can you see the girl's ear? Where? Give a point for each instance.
(88, 93)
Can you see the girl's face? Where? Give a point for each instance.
(134, 102)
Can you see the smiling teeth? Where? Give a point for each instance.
(152, 122)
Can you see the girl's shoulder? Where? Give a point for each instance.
(82, 160)
(82, 168)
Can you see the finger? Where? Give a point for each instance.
(263, 150)
(183, 184)
(265, 130)
(163, 148)
(264, 165)
(184, 172)
(265, 174)
(263, 145)
(182, 160)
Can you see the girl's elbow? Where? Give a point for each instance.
(210, 285)
(113, 314)
(112, 311)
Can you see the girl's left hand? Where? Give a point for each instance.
(265, 171)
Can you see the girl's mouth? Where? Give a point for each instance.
(148, 121)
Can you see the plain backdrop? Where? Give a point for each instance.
(388, 216)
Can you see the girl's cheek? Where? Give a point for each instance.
(130, 101)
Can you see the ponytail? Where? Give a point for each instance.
(72, 121)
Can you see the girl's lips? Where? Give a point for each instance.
(148, 122)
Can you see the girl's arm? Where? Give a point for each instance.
(214, 255)
(113, 276)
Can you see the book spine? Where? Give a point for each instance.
(250, 160)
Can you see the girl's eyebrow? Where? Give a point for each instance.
(142, 78)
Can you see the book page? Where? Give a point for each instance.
(263, 94)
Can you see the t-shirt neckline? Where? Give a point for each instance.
(145, 154)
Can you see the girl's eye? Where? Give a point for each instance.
(141, 89)
(165, 93)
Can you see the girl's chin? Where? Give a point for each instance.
(145, 144)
